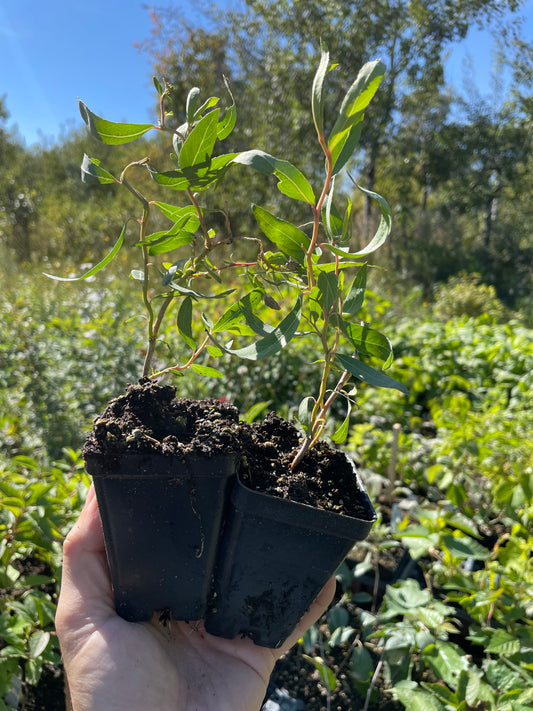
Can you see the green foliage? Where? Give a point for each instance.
(39, 505)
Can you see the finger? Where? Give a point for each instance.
(318, 607)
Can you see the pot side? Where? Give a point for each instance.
(162, 519)
(276, 556)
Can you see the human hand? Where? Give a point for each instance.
(112, 664)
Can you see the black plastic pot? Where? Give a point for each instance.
(275, 557)
(162, 519)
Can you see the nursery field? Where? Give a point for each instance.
(433, 611)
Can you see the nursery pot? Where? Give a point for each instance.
(162, 518)
(275, 557)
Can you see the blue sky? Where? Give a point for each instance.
(53, 52)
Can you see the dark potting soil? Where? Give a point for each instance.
(150, 419)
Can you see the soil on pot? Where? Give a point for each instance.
(149, 418)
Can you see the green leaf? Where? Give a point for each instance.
(462, 547)
(192, 102)
(347, 147)
(326, 674)
(317, 101)
(38, 643)
(198, 177)
(356, 100)
(286, 236)
(274, 341)
(176, 213)
(231, 318)
(447, 661)
(417, 700)
(305, 411)
(206, 371)
(199, 144)
(184, 321)
(227, 124)
(341, 433)
(368, 342)
(501, 642)
(385, 224)
(356, 295)
(92, 173)
(291, 181)
(328, 287)
(99, 266)
(110, 132)
(367, 374)
(361, 664)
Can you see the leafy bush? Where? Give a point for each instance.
(38, 508)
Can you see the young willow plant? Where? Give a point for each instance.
(314, 264)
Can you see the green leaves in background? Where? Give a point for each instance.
(110, 132)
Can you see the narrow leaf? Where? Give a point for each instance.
(184, 321)
(207, 371)
(274, 341)
(367, 374)
(356, 295)
(92, 173)
(369, 342)
(289, 238)
(99, 266)
(292, 182)
(234, 314)
(227, 124)
(328, 287)
(192, 101)
(317, 101)
(342, 432)
(110, 132)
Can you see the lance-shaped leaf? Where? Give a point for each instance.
(368, 342)
(367, 374)
(274, 341)
(198, 146)
(196, 294)
(382, 232)
(99, 266)
(184, 322)
(192, 103)
(232, 319)
(356, 295)
(207, 371)
(328, 287)
(92, 173)
(340, 435)
(176, 213)
(112, 133)
(197, 177)
(345, 132)
(292, 182)
(289, 238)
(317, 101)
(227, 123)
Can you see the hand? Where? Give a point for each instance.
(112, 664)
